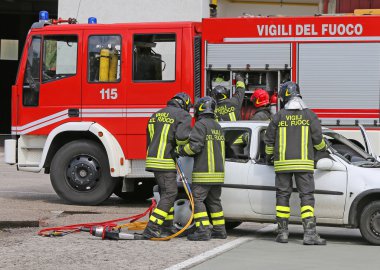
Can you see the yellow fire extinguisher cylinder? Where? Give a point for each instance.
(113, 67)
(104, 65)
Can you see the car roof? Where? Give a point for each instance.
(255, 124)
(243, 123)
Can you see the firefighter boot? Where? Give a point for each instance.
(202, 233)
(168, 228)
(219, 232)
(311, 236)
(152, 230)
(283, 232)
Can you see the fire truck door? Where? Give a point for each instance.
(104, 80)
(154, 77)
(50, 79)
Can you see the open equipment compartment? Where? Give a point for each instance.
(264, 66)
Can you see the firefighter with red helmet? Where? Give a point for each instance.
(206, 145)
(167, 129)
(228, 109)
(291, 137)
(260, 100)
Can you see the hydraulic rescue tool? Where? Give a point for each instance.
(110, 230)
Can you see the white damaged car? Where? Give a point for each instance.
(347, 182)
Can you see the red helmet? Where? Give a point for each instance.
(273, 99)
(260, 98)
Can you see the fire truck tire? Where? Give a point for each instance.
(369, 223)
(80, 173)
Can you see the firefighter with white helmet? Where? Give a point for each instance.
(228, 109)
(206, 145)
(167, 129)
(291, 137)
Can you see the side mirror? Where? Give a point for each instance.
(326, 164)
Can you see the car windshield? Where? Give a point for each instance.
(352, 151)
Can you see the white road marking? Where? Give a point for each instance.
(218, 250)
(209, 254)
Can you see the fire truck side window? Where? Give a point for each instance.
(104, 54)
(59, 57)
(31, 86)
(154, 57)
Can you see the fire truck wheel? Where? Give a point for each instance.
(80, 173)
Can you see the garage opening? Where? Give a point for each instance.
(17, 16)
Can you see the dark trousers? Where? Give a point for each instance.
(305, 187)
(167, 183)
(208, 197)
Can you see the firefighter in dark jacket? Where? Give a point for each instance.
(290, 139)
(260, 100)
(206, 145)
(228, 109)
(167, 129)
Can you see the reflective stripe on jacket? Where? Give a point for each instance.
(229, 109)
(206, 145)
(166, 129)
(291, 137)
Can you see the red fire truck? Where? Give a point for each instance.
(84, 92)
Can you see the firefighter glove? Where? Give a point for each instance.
(239, 78)
(269, 159)
(328, 145)
(175, 153)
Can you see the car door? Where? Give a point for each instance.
(261, 178)
(234, 194)
(330, 190)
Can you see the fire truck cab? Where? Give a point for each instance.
(84, 92)
(82, 97)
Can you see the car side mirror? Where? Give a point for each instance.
(326, 164)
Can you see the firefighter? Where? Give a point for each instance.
(228, 109)
(290, 138)
(206, 145)
(260, 100)
(167, 129)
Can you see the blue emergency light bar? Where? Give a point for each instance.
(44, 15)
(92, 20)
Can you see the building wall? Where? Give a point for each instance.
(348, 6)
(227, 8)
(114, 11)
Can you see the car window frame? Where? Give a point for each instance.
(240, 160)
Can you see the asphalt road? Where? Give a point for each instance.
(28, 203)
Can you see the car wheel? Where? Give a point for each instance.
(370, 223)
(80, 173)
(230, 225)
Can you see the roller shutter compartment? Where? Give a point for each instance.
(341, 81)
(258, 56)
